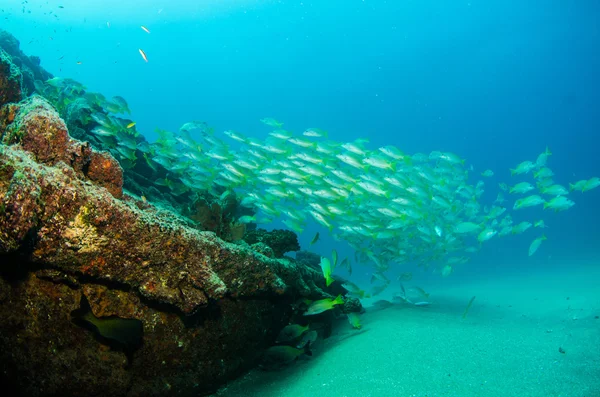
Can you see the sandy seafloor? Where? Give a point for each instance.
(508, 345)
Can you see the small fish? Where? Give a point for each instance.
(468, 307)
(307, 337)
(145, 29)
(315, 239)
(247, 219)
(271, 122)
(530, 201)
(323, 305)
(419, 292)
(523, 168)
(108, 24)
(121, 333)
(535, 244)
(543, 158)
(521, 188)
(555, 190)
(486, 234)
(354, 320)
(543, 173)
(422, 303)
(353, 290)
(559, 203)
(277, 356)
(143, 54)
(334, 258)
(447, 270)
(467, 227)
(315, 133)
(487, 173)
(521, 227)
(592, 183)
(406, 276)
(291, 333)
(326, 269)
(579, 185)
(378, 289)
(131, 125)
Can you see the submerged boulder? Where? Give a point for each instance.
(196, 310)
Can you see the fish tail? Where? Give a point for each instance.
(328, 280)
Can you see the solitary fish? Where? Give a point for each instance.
(143, 54)
(536, 244)
(315, 239)
(326, 269)
(323, 305)
(145, 29)
(354, 320)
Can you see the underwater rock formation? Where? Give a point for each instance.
(10, 80)
(309, 259)
(279, 240)
(219, 215)
(28, 66)
(68, 235)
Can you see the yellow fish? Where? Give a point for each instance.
(130, 125)
(323, 305)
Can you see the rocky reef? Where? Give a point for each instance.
(74, 245)
(278, 240)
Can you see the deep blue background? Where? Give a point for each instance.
(494, 81)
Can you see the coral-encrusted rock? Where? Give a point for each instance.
(29, 65)
(43, 353)
(309, 259)
(280, 241)
(133, 263)
(10, 80)
(81, 228)
(104, 170)
(263, 249)
(37, 128)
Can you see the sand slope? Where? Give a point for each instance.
(508, 345)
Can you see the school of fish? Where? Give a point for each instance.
(389, 206)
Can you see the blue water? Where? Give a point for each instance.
(493, 81)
